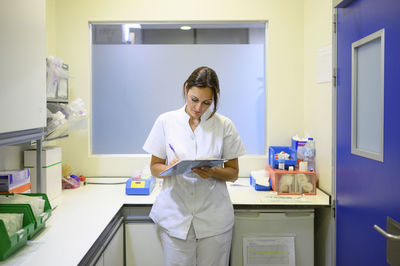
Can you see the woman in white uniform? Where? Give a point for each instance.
(193, 211)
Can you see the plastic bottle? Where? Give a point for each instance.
(309, 154)
(281, 164)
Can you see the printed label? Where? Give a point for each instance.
(137, 184)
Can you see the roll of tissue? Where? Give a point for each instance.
(36, 203)
(304, 184)
(12, 221)
(285, 183)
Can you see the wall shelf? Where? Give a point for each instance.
(23, 136)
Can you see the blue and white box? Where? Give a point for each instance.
(140, 186)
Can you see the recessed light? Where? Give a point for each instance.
(186, 28)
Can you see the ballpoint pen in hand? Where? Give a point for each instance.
(172, 148)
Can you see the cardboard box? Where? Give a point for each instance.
(51, 170)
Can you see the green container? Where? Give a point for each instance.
(10, 244)
(29, 219)
(40, 222)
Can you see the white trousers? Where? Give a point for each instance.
(209, 251)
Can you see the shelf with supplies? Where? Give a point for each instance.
(57, 124)
(31, 136)
(57, 97)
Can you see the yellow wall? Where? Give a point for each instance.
(285, 61)
(318, 96)
(51, 32)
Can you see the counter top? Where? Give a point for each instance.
(80, 215)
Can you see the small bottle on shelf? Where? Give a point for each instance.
(281, 164)
(309, 154)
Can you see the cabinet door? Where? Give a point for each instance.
(100, 262)
(274, 223)
(114, 253)
(143, 246)
(22, 65)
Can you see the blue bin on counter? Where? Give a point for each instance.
(260, 187)
(277, 149)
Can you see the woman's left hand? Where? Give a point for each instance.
(205, 172)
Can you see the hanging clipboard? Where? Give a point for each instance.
(185, 166)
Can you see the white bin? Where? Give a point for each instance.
(264, 224)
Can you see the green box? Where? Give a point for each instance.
(10, 244)
(39, 222)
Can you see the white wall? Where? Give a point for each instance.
(318, 96)
(284, 60)
(318, 116)
(296, 30)
(285, 66)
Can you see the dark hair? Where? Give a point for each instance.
(204, 77)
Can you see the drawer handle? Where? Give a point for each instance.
(386, 234)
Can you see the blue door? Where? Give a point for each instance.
(368, 128)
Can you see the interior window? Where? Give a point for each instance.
(138, 71)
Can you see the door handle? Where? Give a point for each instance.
(386, 234)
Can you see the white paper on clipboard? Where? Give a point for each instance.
(271, 251)
(185, 166)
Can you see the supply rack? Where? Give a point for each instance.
(27, 136)
(31, 225)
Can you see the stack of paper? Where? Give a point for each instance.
(261, 177)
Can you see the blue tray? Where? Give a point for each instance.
(259, 187)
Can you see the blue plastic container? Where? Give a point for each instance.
(259, 187)
(277, 149)
(140, 186)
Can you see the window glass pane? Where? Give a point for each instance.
(369, 104)
(133, 84)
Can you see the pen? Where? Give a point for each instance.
(172, 148)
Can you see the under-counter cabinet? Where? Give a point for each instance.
(262, 237)
(114, 253)
(143, 245)
(140, 245)
(111, 252)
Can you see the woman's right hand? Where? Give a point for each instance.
(158, 165)
(174, 161)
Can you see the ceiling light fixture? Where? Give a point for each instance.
(186, 28)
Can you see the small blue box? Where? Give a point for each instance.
(277, 149)
(135, 186)
(259, 187)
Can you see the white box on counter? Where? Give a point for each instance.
(51, 170)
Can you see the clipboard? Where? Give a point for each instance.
(185, 166)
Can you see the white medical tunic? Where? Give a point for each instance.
(188, 198)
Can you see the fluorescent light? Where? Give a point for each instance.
(133, 25)
(186, 28)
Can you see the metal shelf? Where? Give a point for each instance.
(29, 135)
(56, 138)
(16, 137)
(57, 100)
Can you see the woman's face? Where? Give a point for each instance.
(198, 101)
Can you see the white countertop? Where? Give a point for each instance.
(80, 215)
